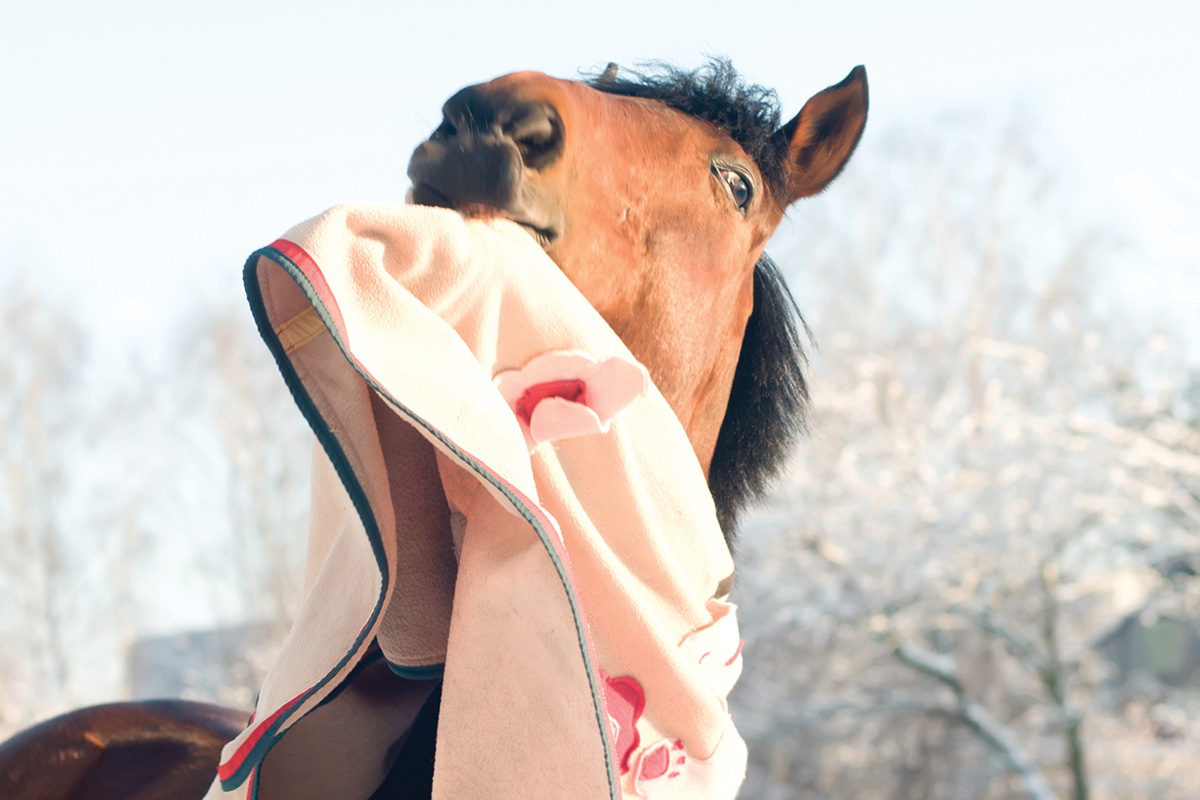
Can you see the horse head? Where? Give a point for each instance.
(656, 195)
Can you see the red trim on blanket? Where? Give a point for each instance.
(305, 262)
(226, 770)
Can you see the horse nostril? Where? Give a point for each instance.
(445, 131)
(537, 132)
(535, 139)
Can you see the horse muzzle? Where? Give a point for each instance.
(487, 159)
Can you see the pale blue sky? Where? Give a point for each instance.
(147, 147)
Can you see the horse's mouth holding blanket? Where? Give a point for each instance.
(655, 197)
(423, 194)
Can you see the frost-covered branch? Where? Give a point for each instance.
(944, 669)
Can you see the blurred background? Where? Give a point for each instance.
(979, 579)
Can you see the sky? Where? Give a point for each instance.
(146, 148)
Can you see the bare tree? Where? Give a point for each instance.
(241, 453)
(140, 504)
(993, 475)
(56, 592)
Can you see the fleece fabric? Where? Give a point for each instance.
(501, 501)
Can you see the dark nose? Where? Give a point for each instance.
(479, 154)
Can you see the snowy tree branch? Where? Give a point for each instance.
(944, 669)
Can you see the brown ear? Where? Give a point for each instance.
(823, 135)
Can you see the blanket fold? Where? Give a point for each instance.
(501, 500)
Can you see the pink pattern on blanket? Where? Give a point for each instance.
(663, 759)
(717, 648)
(566, 393)
(667, 771)
(569, 390)
(624, 701)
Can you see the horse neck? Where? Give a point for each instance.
(692, 359)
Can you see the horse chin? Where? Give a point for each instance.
(423, 194)
(543, 237)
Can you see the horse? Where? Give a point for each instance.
(655, 192)
(148, 749)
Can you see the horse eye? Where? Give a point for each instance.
(737, 184)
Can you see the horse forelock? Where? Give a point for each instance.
(714, 92)
(768, 402)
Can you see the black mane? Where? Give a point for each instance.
(768, 402)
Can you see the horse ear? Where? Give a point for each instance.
(823, 135)
(609, 76)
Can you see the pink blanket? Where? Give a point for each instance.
(501, 499)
